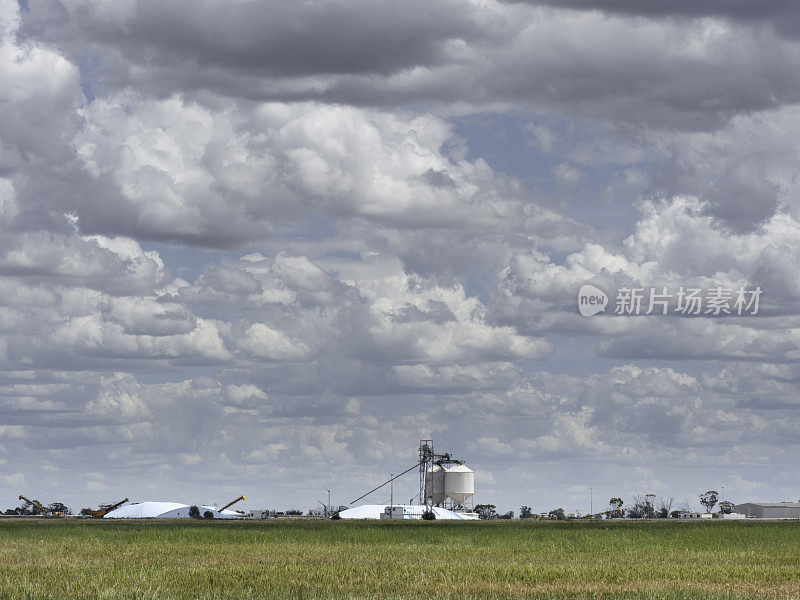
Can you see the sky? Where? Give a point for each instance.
(263, 247)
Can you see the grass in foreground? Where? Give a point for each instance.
(305, 559)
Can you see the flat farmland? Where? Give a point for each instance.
(72, 558)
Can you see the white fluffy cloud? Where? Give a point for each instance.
(674, 244)
(185, 172)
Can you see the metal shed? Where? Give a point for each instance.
(769, 510)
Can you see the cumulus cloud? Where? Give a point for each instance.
(262, 341)
(674, 245)
(190, 174)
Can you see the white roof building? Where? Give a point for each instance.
(408, 511)
(165, 510)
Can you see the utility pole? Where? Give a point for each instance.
(329, 502)
(391, 497)
(591, 502)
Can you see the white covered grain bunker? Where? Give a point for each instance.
(403, 511)
(166, 510)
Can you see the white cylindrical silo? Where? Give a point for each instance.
(434, 483)
(459, 484)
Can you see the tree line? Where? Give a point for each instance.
(642, 506)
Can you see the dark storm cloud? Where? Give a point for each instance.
(655, 73)
(595, 69)
(271, 37)
(781, 11)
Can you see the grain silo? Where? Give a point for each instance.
(444, 483)
(459, 483)
(435, 484)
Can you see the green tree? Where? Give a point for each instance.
(486, 511)
(642, 508)
(208, 515)
(708, 499)
(525, 512)
(558, 513)
(725, 507)
(615, 508)
(59, 507)
(194, 512)
(664, 507)
(28, 508)
(649, 500)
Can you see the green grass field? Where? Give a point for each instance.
(70, 558)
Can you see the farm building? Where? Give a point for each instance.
(769, 510)
(166, 510)
(402, 511)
